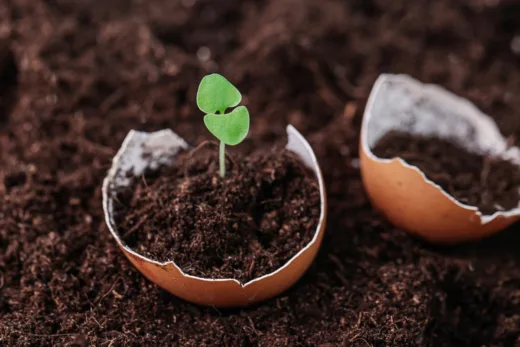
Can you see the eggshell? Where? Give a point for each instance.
(151, 150)
(400, 190)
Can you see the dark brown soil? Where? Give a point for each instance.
(491, 184)
(244, 226)
(89, 71)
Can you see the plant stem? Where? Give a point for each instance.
(222, 159)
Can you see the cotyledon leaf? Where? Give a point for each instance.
(231, 128)
(216, 94)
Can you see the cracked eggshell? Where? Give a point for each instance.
(150, 150)
(401, 191)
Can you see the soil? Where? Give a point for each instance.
(89, 71)
(492, 184)
(244, 226)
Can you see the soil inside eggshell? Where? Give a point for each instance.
(492, 184)
(243, 226)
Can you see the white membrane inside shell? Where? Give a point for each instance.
(401, 103)
(143, 151)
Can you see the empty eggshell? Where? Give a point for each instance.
(401, 191)
(141, 151)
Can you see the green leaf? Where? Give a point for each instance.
(230, 128)
(217, 94)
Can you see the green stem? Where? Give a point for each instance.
(222, 159)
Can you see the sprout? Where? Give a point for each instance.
(215, 95)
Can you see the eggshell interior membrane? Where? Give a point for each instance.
(141, 151)
(401, 191)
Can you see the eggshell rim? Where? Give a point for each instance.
(319, 229)
(383, 78)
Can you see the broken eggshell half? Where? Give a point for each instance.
(401, 191)
(141, 151)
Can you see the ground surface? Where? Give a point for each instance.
(89, 71)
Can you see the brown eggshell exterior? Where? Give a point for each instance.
(413, 204)
(227, 293)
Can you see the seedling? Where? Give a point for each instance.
(215, 95)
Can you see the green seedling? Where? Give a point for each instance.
(215, 95)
